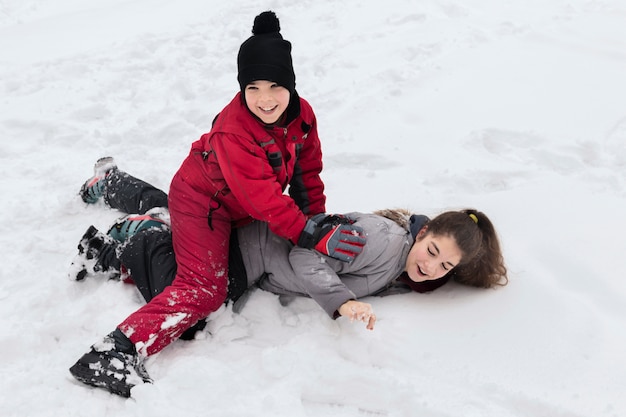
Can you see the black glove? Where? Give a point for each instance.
(333, 235)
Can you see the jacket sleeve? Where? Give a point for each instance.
(331, 282)
(319, 280)
(306, 187)
(250, 177)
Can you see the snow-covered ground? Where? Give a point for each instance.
(517, 108)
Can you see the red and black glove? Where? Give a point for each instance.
(333, 235)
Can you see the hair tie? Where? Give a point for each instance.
(474, 218)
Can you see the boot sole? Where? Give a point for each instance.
(86, 375)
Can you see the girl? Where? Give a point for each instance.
(263, 142)
(404, 252)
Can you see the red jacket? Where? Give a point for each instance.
(246, 166)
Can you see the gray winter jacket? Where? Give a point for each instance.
(277, 266)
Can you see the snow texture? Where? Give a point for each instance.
(517, 108)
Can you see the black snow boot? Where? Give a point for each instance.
(94, 187)
(112, 364)
(97, 254)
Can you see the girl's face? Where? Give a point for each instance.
(266, 100)
(431, 256)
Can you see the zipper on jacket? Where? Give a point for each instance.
(213, 205)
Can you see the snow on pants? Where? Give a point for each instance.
(201, 281)
(149, 255)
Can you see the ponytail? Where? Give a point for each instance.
(486, 268)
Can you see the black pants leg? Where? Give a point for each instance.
(132, 195)
(149, 258)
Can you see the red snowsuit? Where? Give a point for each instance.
(233, 175)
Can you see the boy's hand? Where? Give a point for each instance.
(333, 235)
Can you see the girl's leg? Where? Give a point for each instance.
(148, 257)
(120, 190)
(130, 194)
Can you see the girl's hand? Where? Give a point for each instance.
(356, 310)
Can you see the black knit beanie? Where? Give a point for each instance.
(266, 55)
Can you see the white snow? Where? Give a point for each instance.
(517, 108)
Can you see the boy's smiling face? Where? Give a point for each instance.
(266, 100)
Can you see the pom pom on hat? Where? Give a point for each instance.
(266, 22)
(266, 55)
